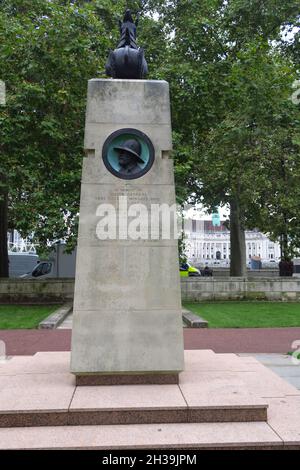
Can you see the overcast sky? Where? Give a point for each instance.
(198, 212)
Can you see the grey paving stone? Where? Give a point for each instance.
(280, 364)
(286, 371)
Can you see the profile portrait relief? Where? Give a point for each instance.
(130, 157)
(128, 153)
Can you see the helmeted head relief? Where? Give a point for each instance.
(133, 147)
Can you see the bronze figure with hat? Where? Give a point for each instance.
(129, 154)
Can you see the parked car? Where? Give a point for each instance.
(186, 270)
(21, 263)
(42, 269)
(60, 264)
(271, 263)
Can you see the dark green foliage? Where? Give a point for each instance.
(236, 133)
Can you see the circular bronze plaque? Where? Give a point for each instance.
(128, 153)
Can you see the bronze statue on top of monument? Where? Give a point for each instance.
(127, 61)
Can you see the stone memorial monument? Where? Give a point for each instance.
(127, 325)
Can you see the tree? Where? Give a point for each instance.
(51, 49)
(278, 203)
(228, 77)
(227, 85)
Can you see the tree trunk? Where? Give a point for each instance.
(285, 241)
(281, 247)
(237, 242)
(3, 235)
(285, 247)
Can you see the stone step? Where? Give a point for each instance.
(39, 390)
(192, 320)
(135, 415)
(38, 397)
(256, 435)
(57, 317)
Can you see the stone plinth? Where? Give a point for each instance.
(40, 391)
(127, 304)
(222, 401)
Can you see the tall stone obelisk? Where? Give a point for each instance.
(127, 325)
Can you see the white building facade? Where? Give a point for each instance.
(205, 243)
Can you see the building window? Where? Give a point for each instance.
(194, 225)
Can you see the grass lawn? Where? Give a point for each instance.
(23, 316)
(247, 314)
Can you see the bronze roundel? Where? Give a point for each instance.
(128, 153)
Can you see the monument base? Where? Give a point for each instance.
(222, 401)
(127, 379)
